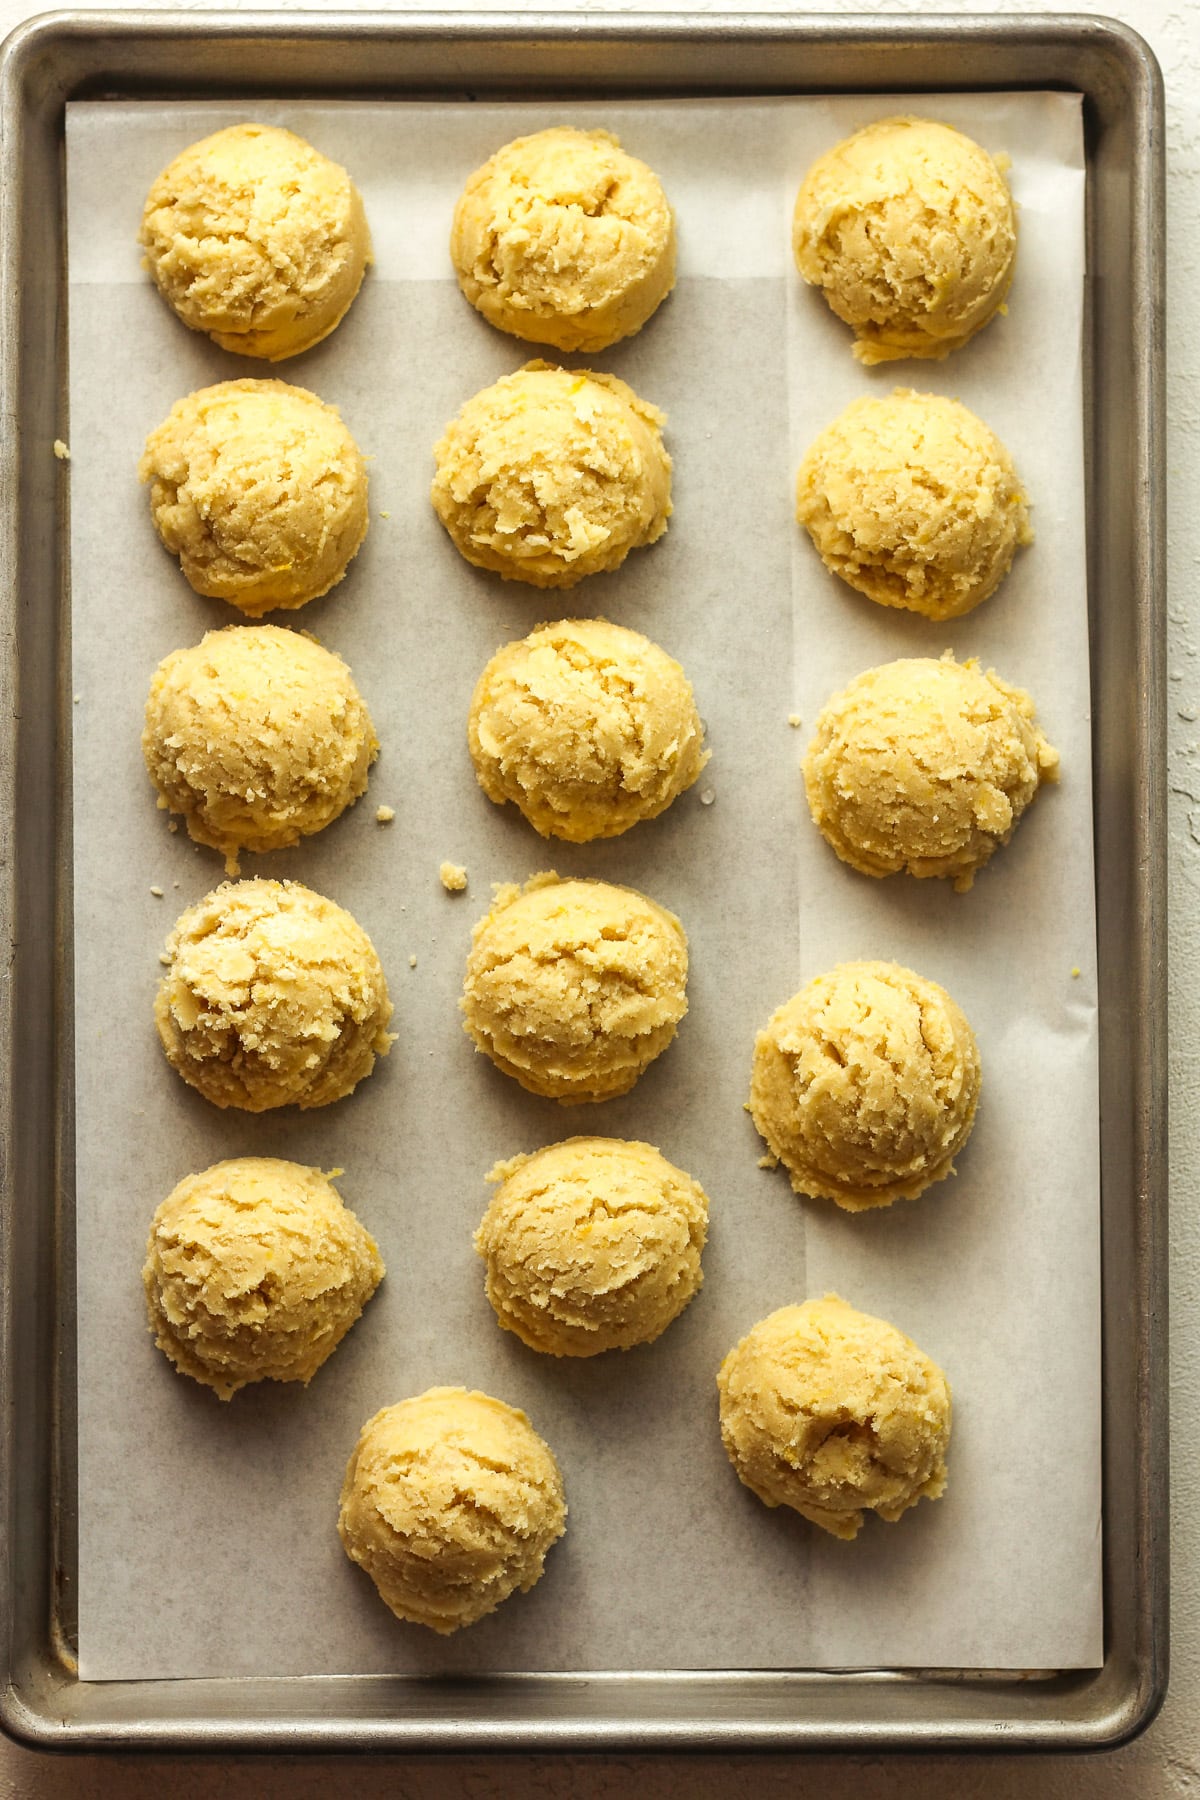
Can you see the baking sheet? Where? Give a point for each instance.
(206, 1532)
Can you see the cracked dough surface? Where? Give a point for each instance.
(553, 474)
(908, 228)
(593, 1244)
(835, 1414)
(913, 501)
(586, 727)
(865, 1085)
(925, 766)
(255, 238)
(255, 1271)
(258, 737)
(271, 996)
(563, 238)
(574, 987)
(450, 1502)
(259, 490)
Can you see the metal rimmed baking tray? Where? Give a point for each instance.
(64, 58)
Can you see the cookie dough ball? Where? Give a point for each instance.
(255, 1271)
(257, 239)
(835, 1414)
(593, 1244)
(553, 474)
(914, 502)
(562, 238)
(574, 987)
(450, 1503)
(909, 228)
(259, 490)
(865, 1085)
(925, 766)
(586, 727)
(258, 737)
(271, 996)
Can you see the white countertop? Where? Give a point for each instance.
(1165, 1761)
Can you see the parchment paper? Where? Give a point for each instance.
(207, 1540)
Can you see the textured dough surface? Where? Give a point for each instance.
(254, 237)
(258, 737)
(563, 238)
(259, 490)
(925, 766)
(450, 1503)
(574, 987)
(255, 1271)
(553, 474)
(592, 1244)
(865, 1085)
(908, 227)
(835, 1414)
(271, 996)
(586, 727)
(913, 501)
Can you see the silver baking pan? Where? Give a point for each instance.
(68, 56)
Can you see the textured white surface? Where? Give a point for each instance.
(1165, 1762)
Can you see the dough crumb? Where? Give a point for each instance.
(766, 1162)
(795, 721)
(78, 698)
(157, 892)
(384, 815)
(61, 451)
(453, 877)
(1075, 972)
(412, 962)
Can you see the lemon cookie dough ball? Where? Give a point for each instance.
(255, 1271)
(450, 1503)
(563, 238)
(574, 987)
(259, 490)
(593, 1244)
(586, 727)
(553, 474)
(908, 227)
(271, 996)
(865, 1085)
(258, 737)
(914, 502)
(835, 1414)
(925, 766)
(255, 238)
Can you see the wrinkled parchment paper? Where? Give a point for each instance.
(207, 1542)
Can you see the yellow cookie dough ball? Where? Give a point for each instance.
(257, 239)
(586, 727)
(271, 996)
(925, 766)
(450, 1503)
(914, 502)
(258, 737)
(865, 1085)
(255, 1271)
(908, 227)
(553, 474)
(593, 1244)
(574, 987)
(835, 1414)
(562, 238)
(259, 490)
